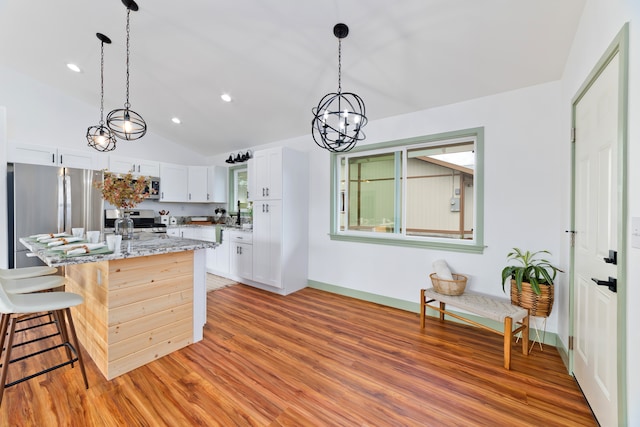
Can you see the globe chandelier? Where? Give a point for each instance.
(126, 123)
(339, 117)
(100, 137)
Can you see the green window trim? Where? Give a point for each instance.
(474, 246)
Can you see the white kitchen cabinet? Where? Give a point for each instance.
(218, 258)
(281, 226)
(241, 254)
(267, 242)
(119, 164)
(50, 156)
(267, 174)
(197, 184)
(174, 181)
(217, 177)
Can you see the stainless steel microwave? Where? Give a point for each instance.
(154, 189)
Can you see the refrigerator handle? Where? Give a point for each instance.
(60, 216)
(67, 192)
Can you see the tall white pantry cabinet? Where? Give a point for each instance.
(279, 186)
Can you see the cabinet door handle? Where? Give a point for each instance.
(60, 158)
(267, 191)
(53, 158)
(189, 196)
(267, 207)
(138, 168)
(133, 167)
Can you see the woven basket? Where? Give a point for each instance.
(449, 287)
(538, 305)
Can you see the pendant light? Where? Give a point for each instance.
(100, 137)
(339, 117)
(126, 123)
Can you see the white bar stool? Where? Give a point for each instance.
(32, 284)
(24, 272)
(14, 307)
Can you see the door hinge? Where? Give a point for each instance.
(571, 342)
(573, 237)
(573, 135)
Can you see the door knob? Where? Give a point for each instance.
(613, 258)
(612, 283)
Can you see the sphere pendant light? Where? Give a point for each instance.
(100, 137)
(126, 123)
(339, 117)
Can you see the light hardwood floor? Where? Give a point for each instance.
(313, 359)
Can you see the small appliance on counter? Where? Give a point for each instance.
(219, 217)
(143, 220)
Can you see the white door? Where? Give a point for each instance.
(596, 227)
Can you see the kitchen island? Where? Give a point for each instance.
(139, 305)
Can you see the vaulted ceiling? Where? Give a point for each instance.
(277, 58)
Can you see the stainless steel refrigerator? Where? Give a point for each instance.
(48, 199)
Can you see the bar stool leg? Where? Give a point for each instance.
(62, 329)
(4, 323)
(76, 345)
(6, 355)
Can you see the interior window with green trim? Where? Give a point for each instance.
(423, 191)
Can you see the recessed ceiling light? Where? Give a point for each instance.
(176, 120)
(225, 97)
(73, 67)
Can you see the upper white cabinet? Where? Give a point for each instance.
(197, 184)
(217, 184)
(50, 156)
(266, 174)
(174, 181)
(139, 167)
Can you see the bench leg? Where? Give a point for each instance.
(423, 304)
(443, 307)
(525, 335)
(508, 334)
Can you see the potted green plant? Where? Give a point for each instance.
(531, 281)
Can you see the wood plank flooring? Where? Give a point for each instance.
(313, 359)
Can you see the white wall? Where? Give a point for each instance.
(601, 21)
(522, 139)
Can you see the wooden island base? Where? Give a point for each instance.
(135, 310)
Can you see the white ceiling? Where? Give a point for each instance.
(277, 58)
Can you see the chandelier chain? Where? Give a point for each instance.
(127, 104)
(101, 83)
(339, 65)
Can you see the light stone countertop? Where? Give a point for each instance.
(143, 244)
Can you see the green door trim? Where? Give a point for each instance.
(620, 45)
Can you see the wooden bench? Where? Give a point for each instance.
(487, 306)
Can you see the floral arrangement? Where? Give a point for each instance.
(123, 191)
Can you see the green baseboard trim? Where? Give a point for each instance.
(548, 338)
(564, 354)
(366, 296)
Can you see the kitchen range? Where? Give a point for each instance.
(143, 220)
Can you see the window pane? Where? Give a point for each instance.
(440, 200)
(373, 196)
(240, 188)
